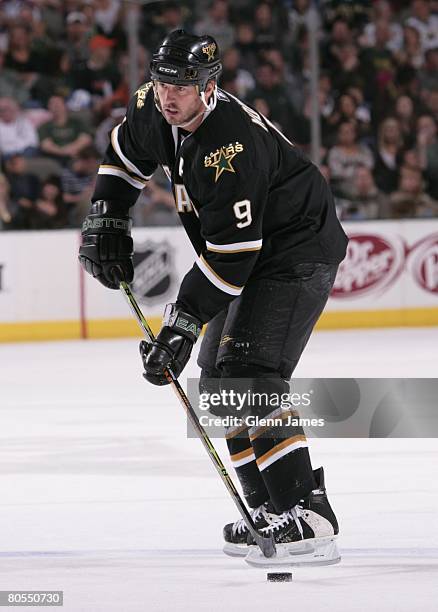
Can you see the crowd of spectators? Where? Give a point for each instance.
(64, 85)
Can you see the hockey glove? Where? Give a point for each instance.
(172, 347)
(107, 244)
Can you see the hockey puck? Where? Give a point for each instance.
(279, 577)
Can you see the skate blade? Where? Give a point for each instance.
(235, 550)
(320, 551)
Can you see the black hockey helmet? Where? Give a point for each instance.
(185, 59)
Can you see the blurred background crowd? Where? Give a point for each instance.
(64, 69)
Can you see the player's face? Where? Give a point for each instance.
(179, 104)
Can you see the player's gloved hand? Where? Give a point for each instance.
(107, 244)
(172, 347)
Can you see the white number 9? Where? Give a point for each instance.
(242, 210)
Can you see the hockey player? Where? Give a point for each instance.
(262, 221)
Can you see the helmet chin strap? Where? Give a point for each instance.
(209, 106)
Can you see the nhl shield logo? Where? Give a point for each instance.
(154, 274)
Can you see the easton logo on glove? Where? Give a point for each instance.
(181, 321)
(188, 326)
(106, 222)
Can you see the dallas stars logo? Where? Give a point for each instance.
(221, 159)
(209, 51)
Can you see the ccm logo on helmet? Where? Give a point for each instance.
(167, 70)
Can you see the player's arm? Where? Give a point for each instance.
(231, 221)
(125, 170)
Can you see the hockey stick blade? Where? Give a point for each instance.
(266, 544)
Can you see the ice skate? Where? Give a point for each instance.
(236, 534)
(304, 535)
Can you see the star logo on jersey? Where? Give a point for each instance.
(221, 159)
(209, 50)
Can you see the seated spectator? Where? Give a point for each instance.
(245, 44)
(340, 35)
(346, 110)
(24, 186)
(363, 199)
(348, 71)
(298, 17)
(266, 35)
(78, 181)
(27, 62)
(346, 156)
(270, 88)
(64, 136)
(122, 94)
(17, 134)
(11, 85)
(404, 112)
(53, 19)
(410, 200)
(388, 155)
(427, 147)
(425, 22)
(412, 52)
(378, 69)
(99, 75)
(106, 16)
(49, 210)
(75, 45)
(31, 55)
(160, 18)
(428, 75)
(383, 13)
(294, 83)
(244, 81)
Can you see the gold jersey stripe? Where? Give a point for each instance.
(233, 251)
(221, 280)
(245, 453)
(134, 176)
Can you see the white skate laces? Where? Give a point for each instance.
(283, 519)
(256, 513)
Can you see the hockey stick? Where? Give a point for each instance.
(266, 543)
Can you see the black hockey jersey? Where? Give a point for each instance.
(251, 203)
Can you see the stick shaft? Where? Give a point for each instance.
(266, 544)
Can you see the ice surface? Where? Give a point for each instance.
(104, 497)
